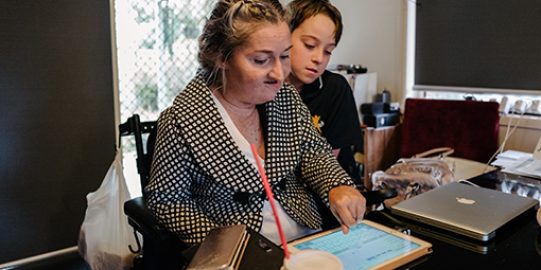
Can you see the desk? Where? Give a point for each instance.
(381, 147)
(517, 246)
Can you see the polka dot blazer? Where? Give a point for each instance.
(200, 179)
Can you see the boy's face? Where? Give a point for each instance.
(313, 42)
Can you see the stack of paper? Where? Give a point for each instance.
(517, 162)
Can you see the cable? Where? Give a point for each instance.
(467, 182)
(507, 136)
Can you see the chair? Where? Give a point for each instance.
(162, 249)
(469, 127)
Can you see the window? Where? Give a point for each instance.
(483, 49)
(157, 56)
(482, 45)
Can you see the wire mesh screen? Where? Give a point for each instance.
(157, 56)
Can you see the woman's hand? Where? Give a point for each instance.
(347, 205)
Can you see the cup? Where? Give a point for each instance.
(311, 259)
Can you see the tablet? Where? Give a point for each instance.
(368, 245)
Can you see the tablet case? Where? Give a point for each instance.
(222, 249)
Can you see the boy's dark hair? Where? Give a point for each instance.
(300, 10)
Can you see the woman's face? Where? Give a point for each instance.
(313, 42)
(256, 70)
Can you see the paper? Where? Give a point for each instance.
(526, 166)
(513, 155)
(519, 163)
(531, 167)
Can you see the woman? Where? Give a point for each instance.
(203, 174)
(316, 27)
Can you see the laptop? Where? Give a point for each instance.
(464, 209)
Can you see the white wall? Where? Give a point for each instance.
(527, 131)
(374, 36)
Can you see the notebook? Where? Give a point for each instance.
(464, 209)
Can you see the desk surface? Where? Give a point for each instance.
(516, 246)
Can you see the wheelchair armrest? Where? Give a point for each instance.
(374, 197)
(143, 221)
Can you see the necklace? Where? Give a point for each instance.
(246, 119)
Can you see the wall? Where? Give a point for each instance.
(57, 119)
(527, 131)
(374, 36)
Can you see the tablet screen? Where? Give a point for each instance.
(365, 246)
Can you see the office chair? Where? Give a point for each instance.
(469, 127)
(162, 249)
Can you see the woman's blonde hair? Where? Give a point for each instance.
(229, 26)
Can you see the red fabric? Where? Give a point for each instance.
(470, 127)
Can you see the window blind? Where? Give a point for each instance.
(478, 45)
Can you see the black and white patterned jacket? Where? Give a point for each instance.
(200, 179)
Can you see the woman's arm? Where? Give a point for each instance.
(169, 193)
(321, 171)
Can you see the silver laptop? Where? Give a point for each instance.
(472, 211)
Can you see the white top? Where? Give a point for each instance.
(292, 230)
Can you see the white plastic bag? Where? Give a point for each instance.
(105, 233)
